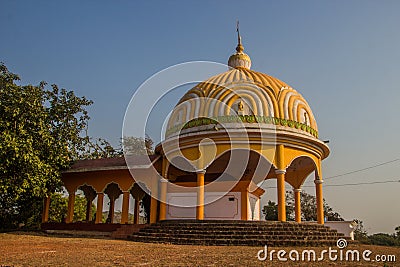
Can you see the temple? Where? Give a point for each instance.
(225, 137)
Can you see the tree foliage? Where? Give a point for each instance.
(270, 211)
(137, 145)
(59, 206)
(308, 209)
(382, 239)
(40, 135)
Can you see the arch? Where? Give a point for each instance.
(90, 194)
(113, 192)
(299, 169)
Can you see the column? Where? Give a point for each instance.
(297, 204)
(153, 201)
(280, 180)
(125, 207)
(244, 204)
(163, 199)
(88, 209)
(319, 198)
(70, 211)
(111, 209)
(99, 210)
(200, 195)
(137, 211)
(46, 208)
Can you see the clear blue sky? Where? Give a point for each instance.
(343, 56)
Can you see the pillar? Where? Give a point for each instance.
(70, 211)
(125, 207)
(244, 204)
(153, 201)
(88, 209)
(319, 198)
(137, 211)
(46, 208)
(99, 210)
(297, 204)
(163, 199)
(111, 209)
(200, 195)
(280, 180)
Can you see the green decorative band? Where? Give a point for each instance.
(243, 119)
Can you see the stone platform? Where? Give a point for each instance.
(237, 233)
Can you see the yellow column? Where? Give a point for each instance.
(125, 207)
(244, 205)
(70, 211)
(99, 210)
(163, 199)
(320, 199)
(280, 180)
(46, 207)
(200, 195)
(297, 204)
(153, 210)
(153, 201)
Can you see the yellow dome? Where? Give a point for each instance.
(243, 94)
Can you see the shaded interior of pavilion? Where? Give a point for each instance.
(122, 205)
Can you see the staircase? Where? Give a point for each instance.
(126, 230)
(237, 233)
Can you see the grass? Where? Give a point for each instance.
(37, 249)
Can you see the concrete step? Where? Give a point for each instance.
(249, 233)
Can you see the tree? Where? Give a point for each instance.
(97, 148)
(40, 135)
(360, 234)
(59, 206)
(137, 145)
(270, 211)
(308, 209)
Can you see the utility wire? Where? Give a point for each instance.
(363, 169)
(359, 170)
(349, 184)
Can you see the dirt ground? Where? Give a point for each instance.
(35, 249)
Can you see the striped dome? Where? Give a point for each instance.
(242, 94)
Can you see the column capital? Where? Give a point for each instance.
(280, 171)
(163, 180)
(297, 190)
(201, 171)
(318, 181)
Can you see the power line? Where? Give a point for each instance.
(363, 169)
(360, 170)
(349, 184)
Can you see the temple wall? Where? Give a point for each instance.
(225, 208)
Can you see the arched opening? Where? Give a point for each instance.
(138, 195)
(90, 194)
(113, 192)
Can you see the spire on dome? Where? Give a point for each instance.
(239, 59)
(239, 47)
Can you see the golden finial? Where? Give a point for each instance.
(239, 59)
(239, 47)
